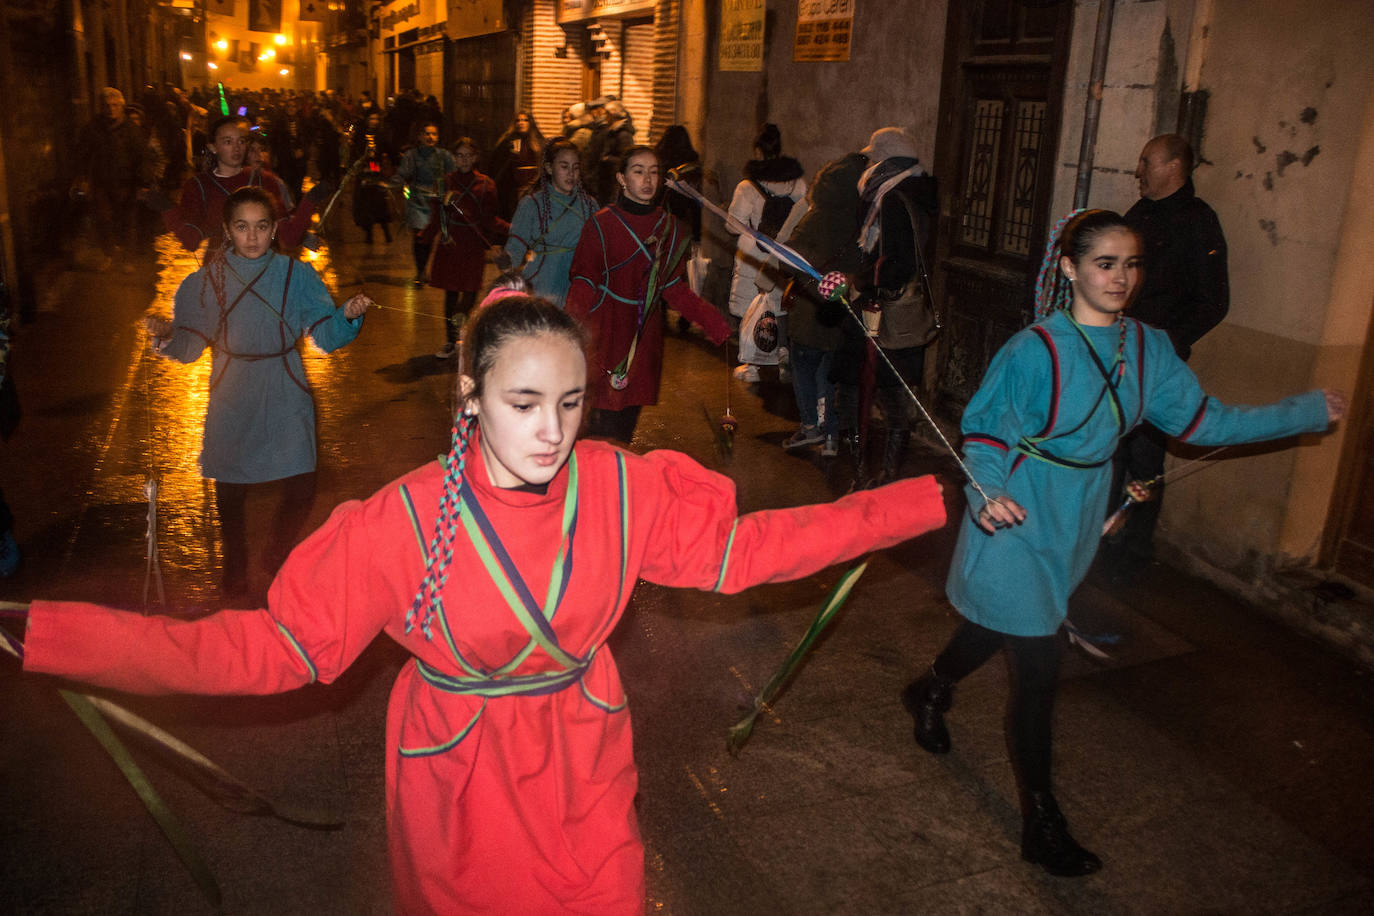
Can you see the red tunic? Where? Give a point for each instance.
(466, 225)
(610, 274)
(505, 803)
(199, 214)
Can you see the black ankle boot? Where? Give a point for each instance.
(1045, 840)
(928, 698)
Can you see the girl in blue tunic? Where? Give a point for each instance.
(422, 172)
(1038, 437)
(548, 222)
(251, 305)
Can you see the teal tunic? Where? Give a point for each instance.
(547, 225)
(1042, 429)
(260, 420)
(422, 171)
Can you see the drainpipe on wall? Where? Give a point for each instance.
(76, 46)
(1192, 107)
(1093, 109)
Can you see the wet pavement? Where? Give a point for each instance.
(1218, 762)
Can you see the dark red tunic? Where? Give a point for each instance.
(466, 226)
(618, 257)
(200, 213)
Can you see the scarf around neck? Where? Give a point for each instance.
(874, 184)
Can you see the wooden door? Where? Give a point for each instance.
(480, 101)
(1353, 507)
(1001, 96)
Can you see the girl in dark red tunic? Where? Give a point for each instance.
(510, 773)
(467, 226)
(630, 260)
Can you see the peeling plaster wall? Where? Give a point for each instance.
(1289, 84)
(828, 109)
(824, 109)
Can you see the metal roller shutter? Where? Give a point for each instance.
(551, 83)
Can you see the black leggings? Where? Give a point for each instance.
(294, 497)
(456, 308)
(421, 251)
(1034, 678)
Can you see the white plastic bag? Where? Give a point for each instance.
(697, 267)
(759, 342)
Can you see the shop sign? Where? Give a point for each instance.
(404, 15)
(399, 15)
(741, 35)
(471, 18)
(578, 10)
(823, 30)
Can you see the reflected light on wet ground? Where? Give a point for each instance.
(156, 429)
(386, 383)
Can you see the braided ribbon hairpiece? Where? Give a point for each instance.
(428, 598)
(1051, 264)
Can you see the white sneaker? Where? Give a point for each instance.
(747, 373)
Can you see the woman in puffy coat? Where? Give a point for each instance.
(769, 175)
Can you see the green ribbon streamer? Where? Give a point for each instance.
(221, 785)
(740, 732)
(170, 826)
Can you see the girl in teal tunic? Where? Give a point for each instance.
(548, 222)
(1038, 437)
(250, 305)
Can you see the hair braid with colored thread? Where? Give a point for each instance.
(1051, 292)
(429, 598)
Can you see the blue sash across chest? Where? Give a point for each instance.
(1109, 394)
(566, 668)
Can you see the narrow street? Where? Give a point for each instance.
(1217, 762)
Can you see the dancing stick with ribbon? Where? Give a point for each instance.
(740, 732)
(224, 787)
(832, 286)
(1138, 491)
(312, 238)
(167, 822)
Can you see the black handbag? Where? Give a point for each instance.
(909, 319)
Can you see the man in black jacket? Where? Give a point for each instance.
(1185, 293)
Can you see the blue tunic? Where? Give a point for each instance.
(260, 421)
(548, 224)
(422, 170)
(1042, 429)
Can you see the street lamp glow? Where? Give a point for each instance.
(185, 55)
(279, 39)
(212, 65)
(222, 45)
(284, 72)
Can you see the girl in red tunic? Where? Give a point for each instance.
(629, 261)
(510, 770)
(467, 225)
